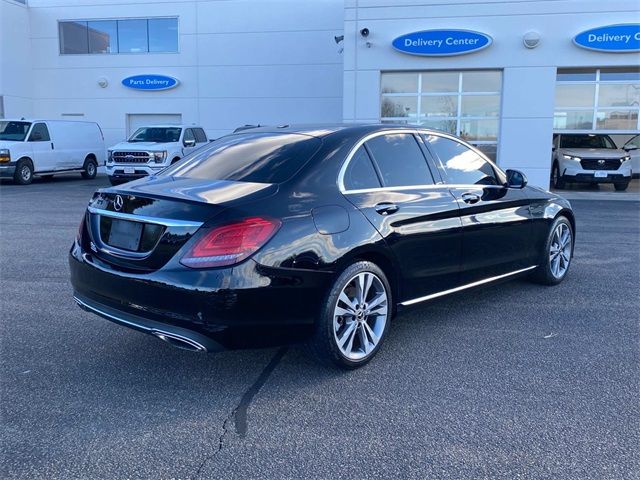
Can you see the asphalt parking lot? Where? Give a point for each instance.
(512, 381)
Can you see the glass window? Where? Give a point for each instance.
(620, 74)
(400, 107)
(399, 83)
(433, 82)
(619, 95)
(132, 36)
(573, 120)
(633, 142)
(481, 81)
(617, 120)
(248, 157)
(479, 130)
(156, 134)
(16, 131)
(462, 165)
(39, 133)
(103, 36)
(577, 75)
(189, 135)
(481, 105)
(440, 105)
(73, 37)
(360, 173)
(400, 160)
(163, 34)
(464, 103)
(201, 137)
(572, 95)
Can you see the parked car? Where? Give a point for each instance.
(317, 234)
(49, 147)
(632, 147)
(150, 149)
(589, 158)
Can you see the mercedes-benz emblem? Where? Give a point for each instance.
(118, 203)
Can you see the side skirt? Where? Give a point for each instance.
(465, 287)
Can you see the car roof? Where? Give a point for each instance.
(169, 125)
(322, 130)
(34, 120)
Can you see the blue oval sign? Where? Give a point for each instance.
(612, 38)
(438, 43)
(150, 82)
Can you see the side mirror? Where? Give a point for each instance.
(628, 148)
(189, 143)
(516, 179)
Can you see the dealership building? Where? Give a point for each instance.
(505, 75)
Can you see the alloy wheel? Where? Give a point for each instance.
(360, 316)
(560, 250)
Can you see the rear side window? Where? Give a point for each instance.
(400, 160)
(360, 173)
(462, 165)
(200, 135)
(249, 157)
(39, 133)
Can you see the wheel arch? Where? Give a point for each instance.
(386, 264)
(565, 212)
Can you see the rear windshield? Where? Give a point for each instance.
(156, 134)
(248, 157)
(16, 131)
(586, 141)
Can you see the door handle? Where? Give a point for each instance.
(386, 208)
(51, 145)
(470, 198)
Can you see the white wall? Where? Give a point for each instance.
(529, 75)
(240, 62)
(15, 59)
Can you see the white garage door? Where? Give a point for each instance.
(137, 120)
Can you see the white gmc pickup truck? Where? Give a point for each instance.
(150, 149)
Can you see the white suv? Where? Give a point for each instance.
(150, 149)
(589, 158)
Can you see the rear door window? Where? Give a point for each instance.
(249, 157)
(201, 137)
(399, 160)
(360, 173)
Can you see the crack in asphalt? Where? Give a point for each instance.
(239, 413)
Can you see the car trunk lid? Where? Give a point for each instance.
(141, 225)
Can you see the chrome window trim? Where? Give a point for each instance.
(415, 131)
(464, 287)
(167, 222)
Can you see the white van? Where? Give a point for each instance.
(48, 147)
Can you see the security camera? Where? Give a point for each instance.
(364, 32)
(338, 38)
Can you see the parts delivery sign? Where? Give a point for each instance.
(150, 82)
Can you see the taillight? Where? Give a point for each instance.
(231, 243)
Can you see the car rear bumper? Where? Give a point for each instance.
(245, 306)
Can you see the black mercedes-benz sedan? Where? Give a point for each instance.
(317, 234)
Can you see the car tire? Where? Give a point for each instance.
(23, 174)
(349, 329)
(90, 169)
(621, 186)
(556, 179)
(557, 255)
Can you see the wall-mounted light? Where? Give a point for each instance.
(531, 39)
(103, 82)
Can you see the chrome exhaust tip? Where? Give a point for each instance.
(179, 341)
